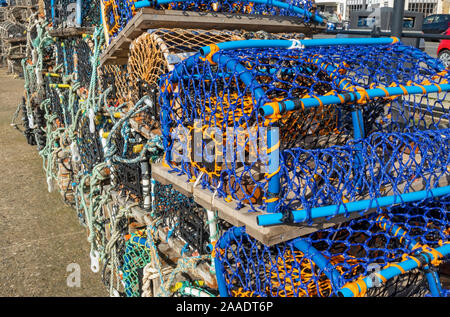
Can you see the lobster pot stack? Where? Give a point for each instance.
(151, 55)
(116, 14)
(370, 256)
(346, 133)
(71, 13)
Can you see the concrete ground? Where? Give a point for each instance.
(40, 235)
(430, 46)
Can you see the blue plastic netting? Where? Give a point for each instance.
(403, 146)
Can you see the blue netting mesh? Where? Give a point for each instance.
(181, 217)
(137, 255)
(119, 12)
(392, 163)
(403, 147)
(62, 13)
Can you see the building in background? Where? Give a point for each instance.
(356, 5)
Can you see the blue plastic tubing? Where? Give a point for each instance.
(274, 181)
(273, 137)
(245, 44)
(309, 251)
(231, 65)
(358, 133)
(331, 210)
(275, 3)
(397, 231)
(393, 271)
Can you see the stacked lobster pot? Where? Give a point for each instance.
(185, 225)
(134, 142)
(13, 21)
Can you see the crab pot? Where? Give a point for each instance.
(117, 13)
(157, 52)
(128, 176)
(114, 77)
(9, 30)
(309, 129)
(332, 261)
(185, 219)
(72, 13)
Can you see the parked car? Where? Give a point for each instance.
(380, 19)
(436, 23)
(443, 51)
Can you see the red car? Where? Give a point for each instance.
(443, 51)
